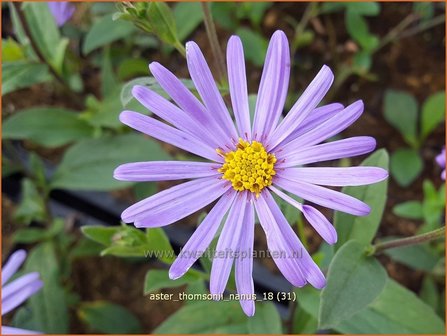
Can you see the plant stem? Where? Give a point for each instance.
(78, 102)
(419, 239)
(423, 26)
(214, 42)
(290, 322)
(180, 48)
(310, 12)
(394, 33)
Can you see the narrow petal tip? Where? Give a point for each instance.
(138, 91)
(248, 306)
(174, 273)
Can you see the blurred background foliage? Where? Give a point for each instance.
(63, 89)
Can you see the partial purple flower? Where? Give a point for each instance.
(440, 159)
(249, 162)
(17, 291)
(62, 11)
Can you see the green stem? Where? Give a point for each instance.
(180, 48)
(214, 41)
(419, 239)
(310, 12)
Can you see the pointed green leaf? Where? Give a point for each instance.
(206, 317)
(401, 111)
(406, 165)
(433, 113)
(159, 279)
(46, 126)
(89, 164)
(354, 280)
(109, 318)
(105, 31)
(363, 229)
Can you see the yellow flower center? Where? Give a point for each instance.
(249, 167)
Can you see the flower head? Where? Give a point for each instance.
(18, 291)
(440, 160)
(249, 162)
(62, 11)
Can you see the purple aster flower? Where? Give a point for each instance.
(62, 11)
(18, 291)
(440, 159)
(248, 164)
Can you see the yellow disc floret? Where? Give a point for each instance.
(249, 167)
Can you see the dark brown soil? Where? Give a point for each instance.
(415, 64)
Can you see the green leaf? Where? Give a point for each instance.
(34, 235)
(46, 126)
(396, 311)
(126, 91)
(223, 317)
(124, 251)
(358, 29)
(363, 229)
(159, 279)
(22, 74)
(433, 113)
(362, 61)
(410, 209)
(108, 80)
(419, 257)
(48, 306)
(255, 45)
(158, 243)
(163, 22)
(363, 8)
(89, 165)
(433, 204)
(105, 31)
(45, 33)
(254, 11)
(430, 293)
(354, 280)
(100, 234)
(105, 113)
(32, 205)
(303, 322)
(266, 320)
(401, 111)
(189, 16)
(224, 14)
(406, 165)
(109, 318)
(132, 67)
(11, 51)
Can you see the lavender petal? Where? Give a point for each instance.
(244, 261)
(202, 236)
(273, 87)
(227, 246)
(238, 86)
(324, 152)
(166, 133)
(206, 86)
(164, 170)
(175, 203)
(12, 265)
(325, 197)
(335, 176)
(308, 101)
